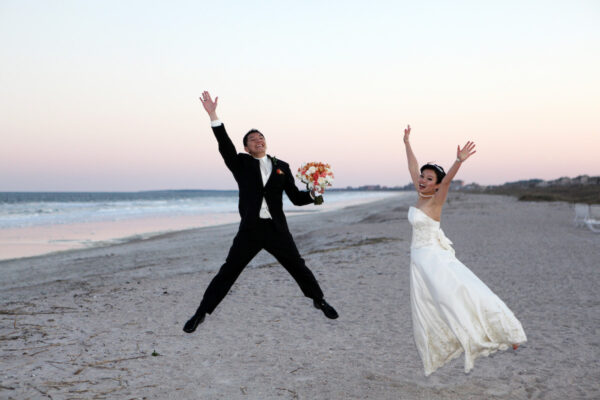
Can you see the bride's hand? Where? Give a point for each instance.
(466, 152)
(406, 133)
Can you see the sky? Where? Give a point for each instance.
(103, 95)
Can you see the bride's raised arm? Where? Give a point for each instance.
(413, 165)
(461, 155)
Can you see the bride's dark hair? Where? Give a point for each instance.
(439, 171)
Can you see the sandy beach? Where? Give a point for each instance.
(106, 323)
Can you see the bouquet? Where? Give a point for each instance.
(317, 176)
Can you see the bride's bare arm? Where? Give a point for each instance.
(413, 165)
(461, 155)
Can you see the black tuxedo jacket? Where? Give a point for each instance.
(246, 171)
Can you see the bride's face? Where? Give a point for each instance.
(427, 182)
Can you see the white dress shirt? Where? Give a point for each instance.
(266, 167)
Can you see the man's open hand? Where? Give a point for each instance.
(209, 105)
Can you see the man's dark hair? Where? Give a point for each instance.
(251, 131)
(439, 171)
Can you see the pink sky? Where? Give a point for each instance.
(104, 96)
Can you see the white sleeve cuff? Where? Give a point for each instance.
(215, 123)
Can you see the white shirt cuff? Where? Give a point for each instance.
(215, 123)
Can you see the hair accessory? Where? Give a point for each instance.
(438, 167)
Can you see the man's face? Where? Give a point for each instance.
(256, 145)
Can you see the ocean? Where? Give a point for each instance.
(35, 223)
(26, 209)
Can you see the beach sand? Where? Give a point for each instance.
(106, 323)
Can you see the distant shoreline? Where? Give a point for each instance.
(526, 190)
(568, 194)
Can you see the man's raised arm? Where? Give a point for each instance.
(226, 147)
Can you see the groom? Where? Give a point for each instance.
(261, 181)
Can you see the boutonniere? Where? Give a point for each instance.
(278, 171)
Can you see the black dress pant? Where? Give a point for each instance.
(246, 245)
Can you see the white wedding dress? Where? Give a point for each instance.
(452, 310)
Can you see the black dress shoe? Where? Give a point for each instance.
(193, 323)
(326, 308)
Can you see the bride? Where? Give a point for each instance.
(452, 310)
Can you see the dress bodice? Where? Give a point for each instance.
(427, 231)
